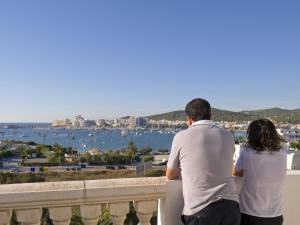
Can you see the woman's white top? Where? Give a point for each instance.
(263, 180)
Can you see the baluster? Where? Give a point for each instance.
(5, 217)
(90, 214)
(144, 210)
(161, 214)
(61, 215)
(29, 216)
(118, 212)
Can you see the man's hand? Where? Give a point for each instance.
(172, 174)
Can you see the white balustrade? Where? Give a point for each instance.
(5, 216)
(60, 215)
(90, 214)
(144, 210)
(29, 216)
(148, 194)
(118, 212)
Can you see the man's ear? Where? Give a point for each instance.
(189, 121)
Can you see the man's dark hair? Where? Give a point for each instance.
(198, 109)
(262, 136)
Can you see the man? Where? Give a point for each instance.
(203, 155)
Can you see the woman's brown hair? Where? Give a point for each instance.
(262, 136)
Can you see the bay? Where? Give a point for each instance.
(85, 139)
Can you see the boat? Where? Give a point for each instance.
(24, 136)
(124, 133)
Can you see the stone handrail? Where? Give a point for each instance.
(69, 193)
(28, 200)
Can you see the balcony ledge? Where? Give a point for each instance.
(148, 195)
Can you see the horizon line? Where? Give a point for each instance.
(28, 122)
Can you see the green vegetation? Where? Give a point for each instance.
(240, 140)
(110, 158)
(11, 178)
(276, 114)
(125, 156)
(218, 115)
(56, 154)
(148, 158)
(296, 145)
(145, 151)
(132, 150)
(6, 154)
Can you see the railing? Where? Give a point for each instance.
(148, 195)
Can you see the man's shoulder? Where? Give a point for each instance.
(226, 132)
(215, 127)
(180, 134)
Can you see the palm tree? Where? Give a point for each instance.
(132, 149)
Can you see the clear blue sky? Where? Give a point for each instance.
(106, 59)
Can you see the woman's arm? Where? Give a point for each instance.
(236, 173)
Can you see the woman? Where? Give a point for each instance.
(263, 165)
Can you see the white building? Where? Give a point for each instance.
(87, 123)
(101, 123)
(289, 134)
(76, 124)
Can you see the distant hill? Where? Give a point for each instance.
(276, 114)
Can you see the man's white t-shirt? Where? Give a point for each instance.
(263, 180)
(204, 153)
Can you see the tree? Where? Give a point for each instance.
(145, 150)
(240, 140)
(6, 154)
(86, 157)
(59, 154)
(132, 149)
(148, 158)
(24, 152)
(295, 145)
(42, 150)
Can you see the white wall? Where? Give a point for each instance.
(293, 161)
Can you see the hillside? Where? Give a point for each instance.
(276, 114)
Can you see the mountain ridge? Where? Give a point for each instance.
(276, 114)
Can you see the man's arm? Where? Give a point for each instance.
(172, 174)
(173, 165)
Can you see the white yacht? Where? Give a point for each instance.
(124, 133)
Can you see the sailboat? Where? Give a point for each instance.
(124, 133)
